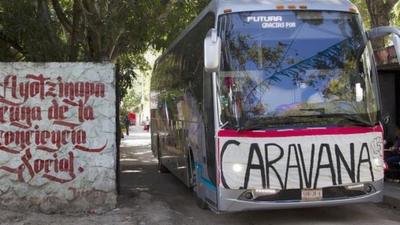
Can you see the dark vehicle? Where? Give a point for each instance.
(392, 164)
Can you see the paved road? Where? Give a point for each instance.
(163, 199)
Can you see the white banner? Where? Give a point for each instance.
(305, 162)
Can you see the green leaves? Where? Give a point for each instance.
(396, 13)
(378, 13)
(92, 30)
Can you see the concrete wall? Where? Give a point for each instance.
(57, 136)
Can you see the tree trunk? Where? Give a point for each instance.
(94, 29)
(380, 13)
(74, 38)
(61, 15)
(43, 12)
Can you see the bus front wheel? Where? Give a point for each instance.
(161, 168)
(200, 202)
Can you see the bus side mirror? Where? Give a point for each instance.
(212, 51)
(387, 30)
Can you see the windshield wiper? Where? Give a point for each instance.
(272, 123)
(349, 117)
(357, 120)
(229, 125)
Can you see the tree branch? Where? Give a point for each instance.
(95, 29)
(168, 9)
(61, 15)
(391, 3)
(74, 38)
(114, 50)
(371, 12)
(44, 18)
(14, 44)
(91, 7)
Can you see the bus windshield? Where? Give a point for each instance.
(295, 68)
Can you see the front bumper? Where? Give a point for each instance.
(231, 201)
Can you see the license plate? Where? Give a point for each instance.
(311, 195)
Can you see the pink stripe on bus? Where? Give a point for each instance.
(300, 132)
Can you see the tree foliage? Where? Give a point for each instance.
(176, 17)
(396, 13)
(362, 7)
(92, 30)
(380, 13)
(109, 30)
(101, 30)
(76, 30)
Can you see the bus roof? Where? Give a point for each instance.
(219, 6)
(253, 5)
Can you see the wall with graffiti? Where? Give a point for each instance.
(57, 136)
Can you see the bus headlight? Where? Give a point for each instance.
(237, 168)
(377, 162)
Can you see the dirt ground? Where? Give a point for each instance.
(134, 207)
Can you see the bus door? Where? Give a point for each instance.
(210, 168)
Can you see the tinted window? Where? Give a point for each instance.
(281, 68)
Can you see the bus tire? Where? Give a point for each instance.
(191, 169)
(200, 202)
(161, 168)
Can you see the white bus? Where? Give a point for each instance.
(266, 104)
